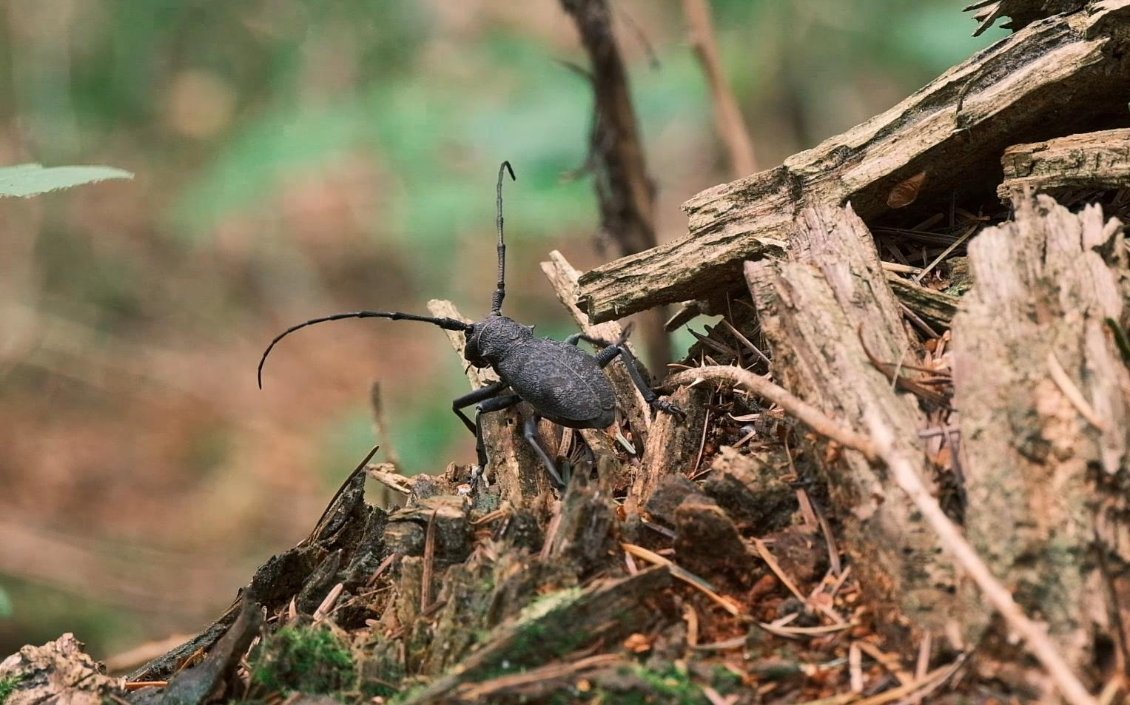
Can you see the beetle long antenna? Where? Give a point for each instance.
(445, 323)
(500, 290)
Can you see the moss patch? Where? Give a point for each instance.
(304, 659)
(7, 687)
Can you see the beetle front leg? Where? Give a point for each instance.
(475, 397)
(487, 406)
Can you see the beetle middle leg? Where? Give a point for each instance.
(488, 399)
(609, 353)
(529, 431)
(485, 407)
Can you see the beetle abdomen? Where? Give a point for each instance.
(564, 384)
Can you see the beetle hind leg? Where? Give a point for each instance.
(530, 433)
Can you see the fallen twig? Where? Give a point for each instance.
(727, 115)
(683, 574)
(803, 411)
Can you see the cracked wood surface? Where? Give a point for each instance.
(1060, 75)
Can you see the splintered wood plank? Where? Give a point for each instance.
(1052, 77)
(1045, 413)
(1099, 160)
(818, 309)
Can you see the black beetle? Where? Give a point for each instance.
(559, 380)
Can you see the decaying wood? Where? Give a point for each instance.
(906, 475)
(1095, 160)
(814, 308)
(206, 680)
(59, 671)
(1052, 78)
(556, 625)
(672, 447)
(934, 307)
(348, 534)
(1042, 478)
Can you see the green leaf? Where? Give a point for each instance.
(5, 604)
(33, 179)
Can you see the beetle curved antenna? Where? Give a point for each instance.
(500, 290)
(445, 323)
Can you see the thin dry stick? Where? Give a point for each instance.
(1072, 392)
(683, 574)
(727, 116)
(1037, 641)
(801, 410)
(553, 671)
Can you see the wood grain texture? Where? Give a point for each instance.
(1098, 160)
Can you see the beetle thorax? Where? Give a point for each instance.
(492, 338)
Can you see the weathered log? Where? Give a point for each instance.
(1098, 160)
(1045, 416)
(1057, 76)
(934, 307)
(814, 309)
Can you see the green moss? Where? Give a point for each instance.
(304, 659)
(7, 687)
(672, 685)
(726, 681)
(644, 686)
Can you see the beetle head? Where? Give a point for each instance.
(490, 339)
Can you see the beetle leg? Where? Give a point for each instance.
(479, 395)
(608, 354)
(487, 406)
(530, 433)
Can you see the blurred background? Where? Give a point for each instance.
(300, 157)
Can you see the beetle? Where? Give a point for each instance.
(562, 383)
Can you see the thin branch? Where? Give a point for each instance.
(624, 188)
(1034, 636)
(727, 115)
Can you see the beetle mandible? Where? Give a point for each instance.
(563, 383)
